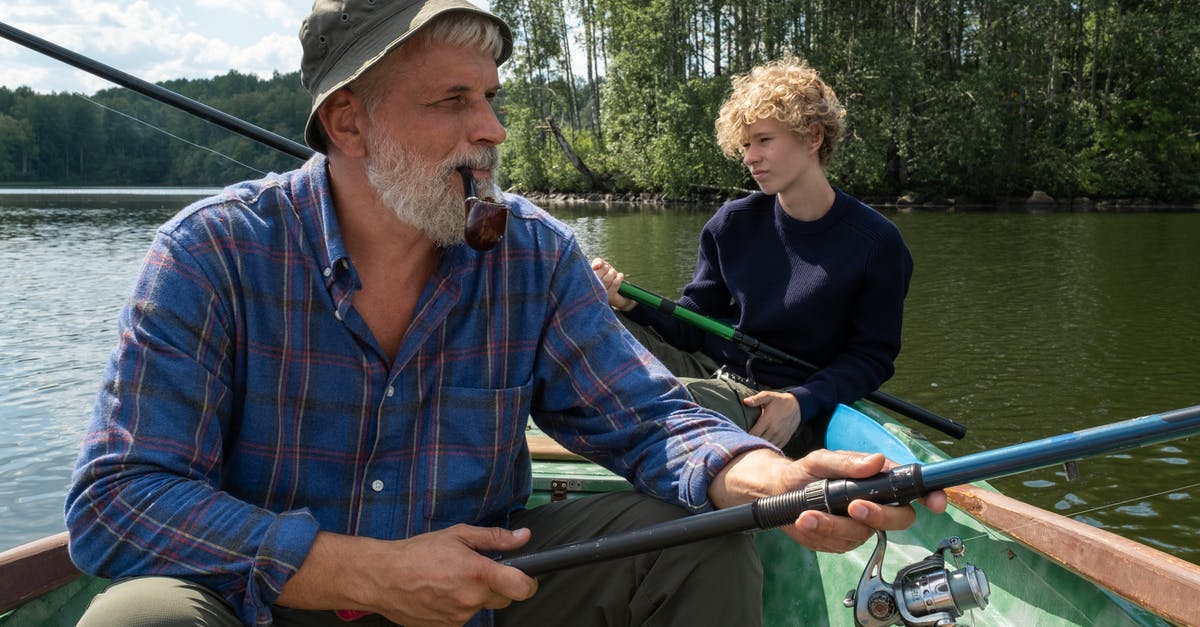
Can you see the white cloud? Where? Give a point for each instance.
(23, 75)
(275, 10)
(32, 11)
(155, 41)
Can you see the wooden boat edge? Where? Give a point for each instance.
(31, 570)
(1152, 579)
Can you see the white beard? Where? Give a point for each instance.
(418, 192)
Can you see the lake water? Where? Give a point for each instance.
(1020, 326)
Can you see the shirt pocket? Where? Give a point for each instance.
(480, 468)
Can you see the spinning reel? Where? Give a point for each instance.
(925, 594)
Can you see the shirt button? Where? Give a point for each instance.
(391, 391)
(377, 485)
(337, 314)
(327, 271)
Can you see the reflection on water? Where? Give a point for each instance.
(1020, 326)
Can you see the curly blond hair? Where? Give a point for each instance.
(786, 90)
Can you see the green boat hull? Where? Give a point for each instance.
(60, 607)
(802, 587)
(806, 588)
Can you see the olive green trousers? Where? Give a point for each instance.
(715, 582)
(702, 377)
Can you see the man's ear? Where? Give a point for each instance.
(344, 116)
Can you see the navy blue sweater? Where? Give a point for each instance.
(830, 292)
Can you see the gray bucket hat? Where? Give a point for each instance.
(343, 38)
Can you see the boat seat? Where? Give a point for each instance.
(543, 447)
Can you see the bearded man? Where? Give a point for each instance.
(319, 396)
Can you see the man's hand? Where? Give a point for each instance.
(838, 534)
(764, 473)
(779, 419)
(612, 280)
(438, 578)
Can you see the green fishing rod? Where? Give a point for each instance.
(755, 347)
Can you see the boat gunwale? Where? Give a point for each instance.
(30, 570)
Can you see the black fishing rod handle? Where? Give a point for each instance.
(899, 485)
(657, 537)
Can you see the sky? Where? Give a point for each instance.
(155, 41)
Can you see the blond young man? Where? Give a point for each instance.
(801, 266)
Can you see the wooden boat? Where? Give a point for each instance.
(1043, 569)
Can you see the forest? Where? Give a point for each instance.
(973, 100)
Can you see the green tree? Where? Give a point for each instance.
(972, 99)
(17, 147)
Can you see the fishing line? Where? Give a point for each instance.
(1095, 509)
(172, 135)
(1136, 498)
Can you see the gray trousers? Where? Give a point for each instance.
(713, 582)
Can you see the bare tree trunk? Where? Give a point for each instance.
(718, 7)
(569, 70)
(1052, 72)
(588, 177)
(1096, 54)
(589, 43)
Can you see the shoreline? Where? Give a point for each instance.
(1037, 202)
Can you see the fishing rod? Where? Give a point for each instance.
(922, 594)
(162, 94)
(901, 484)
(753, 346)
